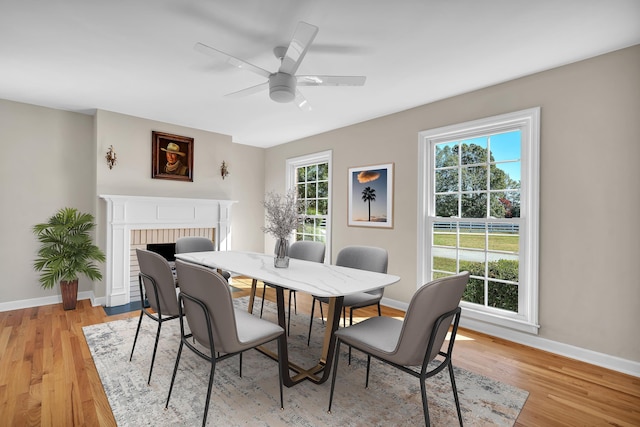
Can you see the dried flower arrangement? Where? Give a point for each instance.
(282, 214)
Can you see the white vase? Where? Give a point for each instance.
(281, 259)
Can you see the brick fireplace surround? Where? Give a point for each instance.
(125, 215)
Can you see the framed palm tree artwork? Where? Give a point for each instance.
(371, 196)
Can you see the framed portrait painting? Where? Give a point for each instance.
(371, 196)
(171, 156)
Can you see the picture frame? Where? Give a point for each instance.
(371, 196)
(171, 157)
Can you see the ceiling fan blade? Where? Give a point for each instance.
(302, 38)
(249, 91)
(301, 101)
(331, 80)
(229, 59)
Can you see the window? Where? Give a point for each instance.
(479, 201)
(310, 176)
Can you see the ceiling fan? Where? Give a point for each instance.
(283, 83)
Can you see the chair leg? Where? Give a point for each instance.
(425, 406)
(455, 393)
(295, 302)
(264, 290)
(313, 306)
(350, 323)
(335, 371)
(136, 337)
(281, 370)
(206, 403)
(155, 349)
(240, 364)
(289, 314)
(366, 384)
(175, 371)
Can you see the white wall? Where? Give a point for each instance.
(590, 236)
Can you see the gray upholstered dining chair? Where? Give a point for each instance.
(416, 341)
(197, 244)
(306, 250)
(369, 258)
(214, 323)
(158, 292)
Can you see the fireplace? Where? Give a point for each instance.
(155, 220)
(162, 242)
(167, 250)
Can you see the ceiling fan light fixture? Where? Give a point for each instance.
(282, 87)
(283, 83)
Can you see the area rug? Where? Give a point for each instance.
(393, 397)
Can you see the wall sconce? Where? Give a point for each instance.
(224, 170)
(111, 157)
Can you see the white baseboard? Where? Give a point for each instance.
(54, 299)
(394, 304)
(625, 366)
(98, 301)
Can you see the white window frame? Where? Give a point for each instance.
(310, 159)
(528, 121)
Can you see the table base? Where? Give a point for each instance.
(328, 346)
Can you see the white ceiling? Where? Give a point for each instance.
(136, 57)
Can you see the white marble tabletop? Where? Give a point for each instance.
(318, 279)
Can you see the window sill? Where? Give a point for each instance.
(492, 323)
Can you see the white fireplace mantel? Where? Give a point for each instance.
(126, 213)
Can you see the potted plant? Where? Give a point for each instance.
(66, 250)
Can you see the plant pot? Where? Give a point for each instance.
(69, 294)
(281, 259)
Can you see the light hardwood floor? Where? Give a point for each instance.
(47, 375)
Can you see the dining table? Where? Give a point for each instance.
(317, 279)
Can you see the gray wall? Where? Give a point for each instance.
(131, 139)
(39, 174)
(589, 233)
